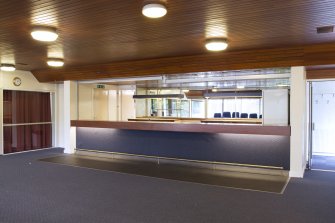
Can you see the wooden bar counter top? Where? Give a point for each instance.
(176, 126)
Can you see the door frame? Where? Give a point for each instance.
(310, 125)
(310, 120)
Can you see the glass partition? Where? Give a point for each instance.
(239, 105)
(107, 102)
(197, 108)
(117, 103)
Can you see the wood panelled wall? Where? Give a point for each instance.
(320, 54)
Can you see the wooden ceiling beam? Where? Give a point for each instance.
(308, 55)
(320, 74)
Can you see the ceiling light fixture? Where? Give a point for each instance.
(216, 44)
(240, 86)
(154, 10)
(55, 62)
(7, 67)
(283, 85)
(45, 34)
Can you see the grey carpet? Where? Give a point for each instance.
(33, 192)
(323, 162)
(259, 182)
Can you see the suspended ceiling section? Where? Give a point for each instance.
(104, 31)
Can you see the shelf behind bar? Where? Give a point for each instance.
(180, 127)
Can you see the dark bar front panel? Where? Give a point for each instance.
(250, 149)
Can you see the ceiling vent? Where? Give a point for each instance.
(325, 29)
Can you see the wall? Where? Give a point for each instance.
(127, 105)
(28, 83)
(113, 105)
(120, 102)
(85, 101)
(298, 118)
(141, 104)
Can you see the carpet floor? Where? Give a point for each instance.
(33, 192)
(323, 162)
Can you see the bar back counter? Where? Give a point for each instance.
(233, 144)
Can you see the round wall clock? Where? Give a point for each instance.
(17, 81)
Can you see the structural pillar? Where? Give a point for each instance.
(298, 120)
(70, 113)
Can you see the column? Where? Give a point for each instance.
(298, 120)
(69, 113)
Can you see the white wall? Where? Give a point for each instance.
(113, 105)
(29, 82)
(141, 104)
(85, 101)
(69, 113)
(60, 115)
(127, 105)
(298, 116)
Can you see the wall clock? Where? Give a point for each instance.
(17, 81)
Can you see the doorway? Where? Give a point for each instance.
(322, 153)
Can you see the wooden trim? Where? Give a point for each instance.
(179, 127)
(320, 74)
(318, 54)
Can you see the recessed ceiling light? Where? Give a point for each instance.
(55, 62)
(7, 67)
(43, 33)
(216, 44)
(240, 86)
(154, 10)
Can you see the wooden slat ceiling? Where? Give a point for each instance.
(104, 31)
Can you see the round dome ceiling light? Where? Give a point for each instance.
(45, 34)
(7, 67)
(55, 62)
(154, 10)
(216, 44)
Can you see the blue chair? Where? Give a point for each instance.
(260, 116)
(217, 115)
(226, 115)
(244, 115)
(236, 114)
(253, 115)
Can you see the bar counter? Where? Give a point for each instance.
(240, 144)
(197, 120)
(185, 127)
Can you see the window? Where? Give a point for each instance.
(214, 106)
(198, 109)
(185, 108)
